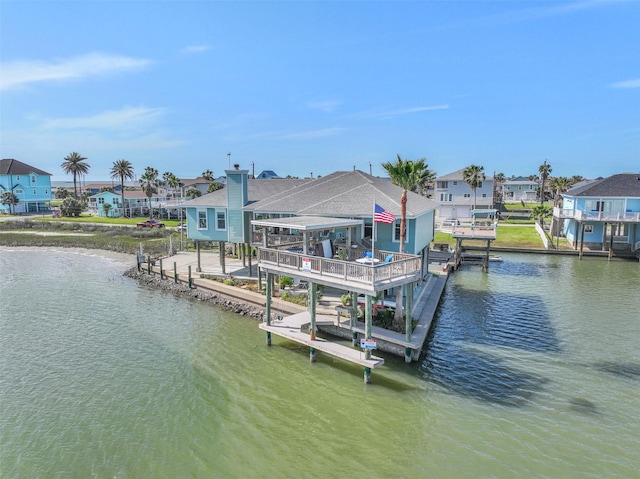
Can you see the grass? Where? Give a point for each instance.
(524, 236)
(84, 218)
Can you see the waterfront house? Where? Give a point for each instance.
(226, 215)
(30, 185)
(198, 183)
(456, 198)
(268, 175)
(519, 189)
(602, 214)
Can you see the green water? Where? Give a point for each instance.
(532, 371)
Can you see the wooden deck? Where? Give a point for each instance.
(290, 327)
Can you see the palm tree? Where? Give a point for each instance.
(73, 165)
(9, 198)
(559, 185)
(408, 175)
(207, 175)
(193, 193)
(473, 175)
(149, 183)
(122, 169)
(544, 169)
(540, 212)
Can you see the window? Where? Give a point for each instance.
(202, 220)
(46, 192)
(455, 183)
(221, 220)
(33, 179)
(35, 192)
(467, 195)
(484, 195)
(396, 232)
(588, 228)
(18, 192)
(101, 201)
(443, 185)
(479, 184)
(444, 197)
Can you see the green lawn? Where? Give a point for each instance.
(87, 218)
(515, 236)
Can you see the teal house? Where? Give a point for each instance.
(97, 202)
(602, 214)
(226, 215)
(30, 185)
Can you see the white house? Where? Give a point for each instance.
(457, 199)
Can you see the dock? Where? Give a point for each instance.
(291, 327)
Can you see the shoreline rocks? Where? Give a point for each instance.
(182, 289)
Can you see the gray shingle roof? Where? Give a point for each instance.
(344, 193)
(257, 190)
(10, 166)
(626, 185)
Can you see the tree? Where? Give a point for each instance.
(559, 185)
(62, 193)
(106, 207)
(408, 175)
(473, 175)
(9, 198)
(498, 181)
(193, 193)
(544, 169)
(149, 183)
(171, 181)
(74, 165)
(215, 186)
(540, 212)
(208, 175)
(122, 170)
(70, 207)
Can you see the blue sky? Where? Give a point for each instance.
(315, 87)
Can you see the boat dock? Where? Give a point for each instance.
(292, 328)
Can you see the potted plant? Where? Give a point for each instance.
(345, 299)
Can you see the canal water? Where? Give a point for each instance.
(532, 370)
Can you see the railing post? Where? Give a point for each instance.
(190, 280)
(175, 272)
(161, 273)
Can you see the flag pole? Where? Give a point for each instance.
(373, 232)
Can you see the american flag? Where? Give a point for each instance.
(382, 216)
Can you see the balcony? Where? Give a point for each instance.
(597, 216)
(349, 275)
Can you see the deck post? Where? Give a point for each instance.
(407, 322)
(249, 259)
(353, 317)
(161, 272)
(267, 309)
(148, 264)
(221, 252)
(368, 315)
(485, 266)
(190, 280)
(175, 272)
(312, 354)
(198, 269)
(312, 309)
(138, 262)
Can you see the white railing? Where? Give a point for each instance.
(402, 266)
(595, 215)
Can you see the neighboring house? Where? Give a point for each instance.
(519, 189)
(95, 188)
(268, 175)
(198, 183)
(603, 214)
(31, 186)
(96, 204)
(456, 198)
(225, 215)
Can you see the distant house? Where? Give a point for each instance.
(198, 183)
(94, 188)
(268, 175)
(96, 204)
(519, 189)
(29, 184)
(456, 198)
(602, 214)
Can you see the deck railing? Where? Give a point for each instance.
(402, 266)
(581, 215)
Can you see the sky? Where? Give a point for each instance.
(307, 88)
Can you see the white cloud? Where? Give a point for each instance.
(326, 106)
(381, 114)
(635, 83)
(309, 135)
(191, 49)
(19, 73)
(127, 119)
